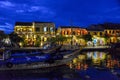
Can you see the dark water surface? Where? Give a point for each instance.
(95, 65)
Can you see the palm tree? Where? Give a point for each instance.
(87, 37)
(107, 37)
(2, 36)
(52, 40)
(61, 39)
(15, 38)
(57, 39)
(38, 41)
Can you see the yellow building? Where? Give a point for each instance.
(35, 33)
(74, 32)
(112, 31)
(105, 33)
(97, 33)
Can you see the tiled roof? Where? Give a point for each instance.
(95, 28)
(42, 22)
(24, 23)
(69, 26)
(111, 26)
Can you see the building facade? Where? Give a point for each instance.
(74, 34)
(71, 30)
(112, 31)
(97, 33)
(103, 34)
(35, 33)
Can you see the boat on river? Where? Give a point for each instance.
(30, 59)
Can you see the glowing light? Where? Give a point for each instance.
(95, 55)
(89, 55)
(94, 41)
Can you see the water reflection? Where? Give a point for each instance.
(56, 73)
(86, 66)
(94, 59)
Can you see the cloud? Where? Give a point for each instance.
(112, 9)
(16, 9)
(2, 18)
(41, 9)
(6, 4)
(34, 8)
(8, 24)
(7, 27)
(104, 16)
(20, 11)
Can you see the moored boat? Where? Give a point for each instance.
(30, 61)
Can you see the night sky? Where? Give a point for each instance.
(62, 12)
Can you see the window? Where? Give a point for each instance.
(95, 33)
(113, 32)
(29, 30)
(105, 32)
(109, 31)
(45, 29)
(51, 29)
(100, 33)
(37, 29)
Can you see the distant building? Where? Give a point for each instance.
(71, 30)
(74, 34)
(113, 31)
(33, 32)
(97, 32)
(105, 33)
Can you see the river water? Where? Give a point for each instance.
(88, 65)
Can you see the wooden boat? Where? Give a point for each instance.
(52, 49)
(11, 63)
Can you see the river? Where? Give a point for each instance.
(88, 65)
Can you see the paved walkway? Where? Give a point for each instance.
(97, 47)
(70, 47)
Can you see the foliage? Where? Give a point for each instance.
(2, 36)
(57, 39)
(38, 40)
(106, 36)
(15, 38)
(87, 37)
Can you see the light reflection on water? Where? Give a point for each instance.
(94, 59)
(83, 67)
(58, 73)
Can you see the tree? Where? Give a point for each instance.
(106, 36)
(61, 39)
(52, 40)
(57, 39)
(2, 36)
(87, 37)
(15, 38)
(38, 41)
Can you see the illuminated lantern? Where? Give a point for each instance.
(78, 66)
(71, 66)
(85, 66)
